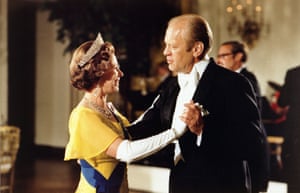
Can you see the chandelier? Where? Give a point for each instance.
(246, 20)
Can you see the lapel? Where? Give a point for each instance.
(168, 104)
(205, 84)
(188, 140)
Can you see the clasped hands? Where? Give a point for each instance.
(192, 116)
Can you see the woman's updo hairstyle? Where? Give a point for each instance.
(86, 76)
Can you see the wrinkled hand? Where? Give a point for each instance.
(192, 116)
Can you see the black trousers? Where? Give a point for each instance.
(186, 179)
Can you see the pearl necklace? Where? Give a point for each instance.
(107, 113)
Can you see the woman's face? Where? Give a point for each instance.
(109, 82)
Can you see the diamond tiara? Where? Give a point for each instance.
(92, 51)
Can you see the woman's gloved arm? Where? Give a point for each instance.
(129, 151)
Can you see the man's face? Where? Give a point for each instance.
(226, 58)
(179, 58)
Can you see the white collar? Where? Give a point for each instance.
(241, 68)
(195, 74)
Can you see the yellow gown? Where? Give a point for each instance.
(91, 134)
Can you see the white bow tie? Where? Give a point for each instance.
(185, 79)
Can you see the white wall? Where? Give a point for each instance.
(269, 60)
(280, 49)
(52, 86)
(3, 62)
(274, 52)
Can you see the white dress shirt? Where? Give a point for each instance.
(188, 84)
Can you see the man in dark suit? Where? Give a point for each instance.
(225, 149)
(289, 96)
(233, 55)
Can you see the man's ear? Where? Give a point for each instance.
(198, 49)
(239, 56)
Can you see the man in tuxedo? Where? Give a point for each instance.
(225, 149)
(289, 96)
(233, 55)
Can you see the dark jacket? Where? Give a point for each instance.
(232, 139)
(289, 95)
(253, 80)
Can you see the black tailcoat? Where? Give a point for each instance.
(233, 142)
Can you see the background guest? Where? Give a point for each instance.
(290, 95)
(233, 55)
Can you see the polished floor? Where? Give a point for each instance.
(47, 176)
